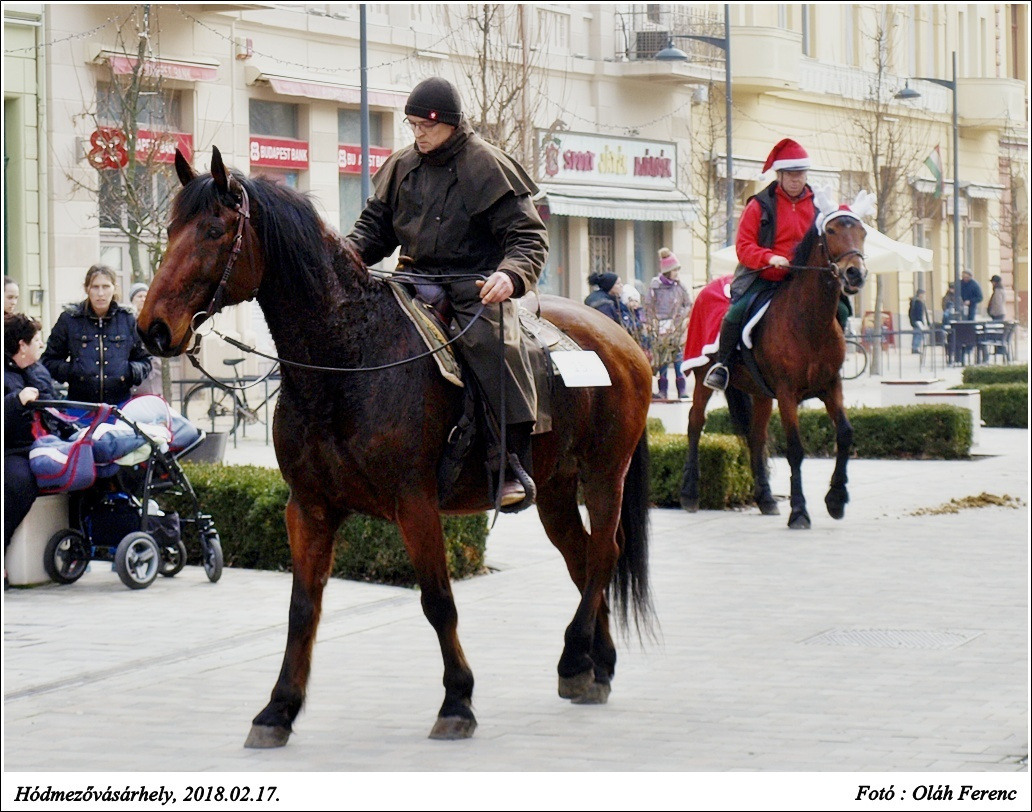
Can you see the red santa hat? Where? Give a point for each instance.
(787, 155)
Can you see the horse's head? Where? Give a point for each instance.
(844, 242)
(212, 259)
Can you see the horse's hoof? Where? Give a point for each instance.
(691, 505)
(262, 737)
(597, 694)
(451, 728)
(577, 686)
(769, 507)
(799, 521)
(836, 503)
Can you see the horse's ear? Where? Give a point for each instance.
(218, 170)
(183, 169)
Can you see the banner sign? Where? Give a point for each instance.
(109, 147)
(349, 159)
(185, 71)
(284, 153)
(600, 160)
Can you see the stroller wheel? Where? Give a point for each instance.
(138, 560)
(211, 555)
(66, 557)
(173, 558)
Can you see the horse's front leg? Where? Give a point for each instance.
(799, 519)
(838, 496)
(420, 525)
(761, 411)
(696, 422)
(310, 529)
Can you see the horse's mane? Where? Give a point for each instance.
(291, 232)
(805, 247)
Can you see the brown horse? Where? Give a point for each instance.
(798, 347)
(371, 441)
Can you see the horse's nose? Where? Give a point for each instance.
(157, 337)
(856, 276)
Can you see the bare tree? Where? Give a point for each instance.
(700, 173)
(498, 61)
(1013, 226)
(891, 150)
(130, 143)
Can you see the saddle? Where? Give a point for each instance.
(428, 308)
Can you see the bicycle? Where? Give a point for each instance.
(856, 360)
(216, 407)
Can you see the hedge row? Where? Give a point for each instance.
(1017, 373)
(1004, 405)
(724, 476)
(891, 432)
(247, 504)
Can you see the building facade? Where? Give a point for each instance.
(629, 151)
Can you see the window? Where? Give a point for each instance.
(648, 237)
(601, 237)
(159, 110)
(349, 131)
(555, 278)
(273, 118)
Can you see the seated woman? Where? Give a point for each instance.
(24, 381)
(94, 346)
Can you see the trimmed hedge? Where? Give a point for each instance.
(247, 504)
(1018, 373)
(890, 432)
(725, 479)
(1004, 405)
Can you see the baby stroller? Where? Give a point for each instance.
(116, 462)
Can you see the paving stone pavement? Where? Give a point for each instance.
(889, 642)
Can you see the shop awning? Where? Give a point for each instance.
(311, 88)
(618, 203)
(187, 70)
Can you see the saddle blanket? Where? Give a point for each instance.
(708, 312)
(704, 324)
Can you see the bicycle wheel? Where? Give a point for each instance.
(855, 364)
(212, 408)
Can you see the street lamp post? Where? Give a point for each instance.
(951, 84)
(672, 54)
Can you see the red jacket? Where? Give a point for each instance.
(793, 219)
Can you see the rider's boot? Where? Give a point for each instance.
(717, 377)
(519, 488)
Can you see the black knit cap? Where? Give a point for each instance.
(435, 99)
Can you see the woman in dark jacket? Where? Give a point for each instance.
(607, 299)
(24, 382)
(95, 347)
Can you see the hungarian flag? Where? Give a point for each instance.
(934, 164)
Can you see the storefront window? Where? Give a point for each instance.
(273, 118)
(601, 237)
(555, 277)
(349, 131)
(648, 237)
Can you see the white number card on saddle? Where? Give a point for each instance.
(581, 368)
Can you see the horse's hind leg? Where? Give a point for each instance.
(696, 422)
(588, 660)
(765, 501)
(420, 526)
(838, 496)
(310, 530)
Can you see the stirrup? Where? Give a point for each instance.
(716, 378)
(518, 494)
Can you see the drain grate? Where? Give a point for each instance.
(891, 638)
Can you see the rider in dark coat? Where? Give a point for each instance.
(456, 204)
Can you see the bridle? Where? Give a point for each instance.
(243, 210)
(833, 266)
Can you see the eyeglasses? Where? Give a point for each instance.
(421, 126)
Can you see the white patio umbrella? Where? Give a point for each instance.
(882, 254)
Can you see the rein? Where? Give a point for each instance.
(243, 209)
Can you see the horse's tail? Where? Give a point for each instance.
(739, 404)
(630, 586)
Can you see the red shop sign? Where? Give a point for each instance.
(284, 153)
(164, 150)
(349, 159)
